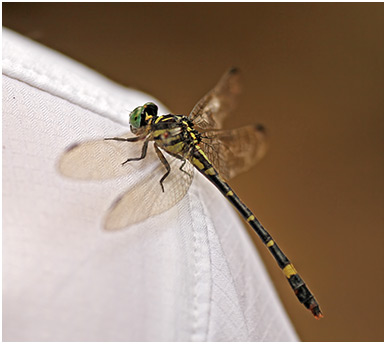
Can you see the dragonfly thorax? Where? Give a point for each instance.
(174, 133)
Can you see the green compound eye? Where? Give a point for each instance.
(135, 117)
(141, 114)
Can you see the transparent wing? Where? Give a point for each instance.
(147, 199)
(234, 151)
(211, 110)
(99, 159)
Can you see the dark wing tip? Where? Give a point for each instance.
(109, 225)
(234, 70)
(71, 147)
(261, 128)
(115, 202)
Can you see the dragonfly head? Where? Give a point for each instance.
(141, 116)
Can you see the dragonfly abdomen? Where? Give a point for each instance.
(302, 292)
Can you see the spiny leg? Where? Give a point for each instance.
(164, 162)
(144, 150)
(183, 164)
(128, 139)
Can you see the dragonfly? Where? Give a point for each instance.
(182, 144)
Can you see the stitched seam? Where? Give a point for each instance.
(195, 292)
(206, 216)
(197, 316)
(242, 311)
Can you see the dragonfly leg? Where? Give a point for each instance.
(182, 165)
(165, 163)
(128, 139)
(144, 150)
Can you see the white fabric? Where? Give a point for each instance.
(189, 274)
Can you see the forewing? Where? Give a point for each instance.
(211, 110)
(234, 151)
(147, 199)
(99, 159)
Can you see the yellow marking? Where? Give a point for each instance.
(270, 243)
(194, 136)
(229, 193)
(202, 153)
(210, 171)
(198, 163)
(167, 119)
(251, 218)
(158, 119)
(158, 132)
(175, 148)
(147, 117)
(289, 270)
(186, 123)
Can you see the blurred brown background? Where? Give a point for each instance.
(313, 75)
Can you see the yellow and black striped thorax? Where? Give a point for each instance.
(175, 134)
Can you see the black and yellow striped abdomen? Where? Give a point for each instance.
(201, 162)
